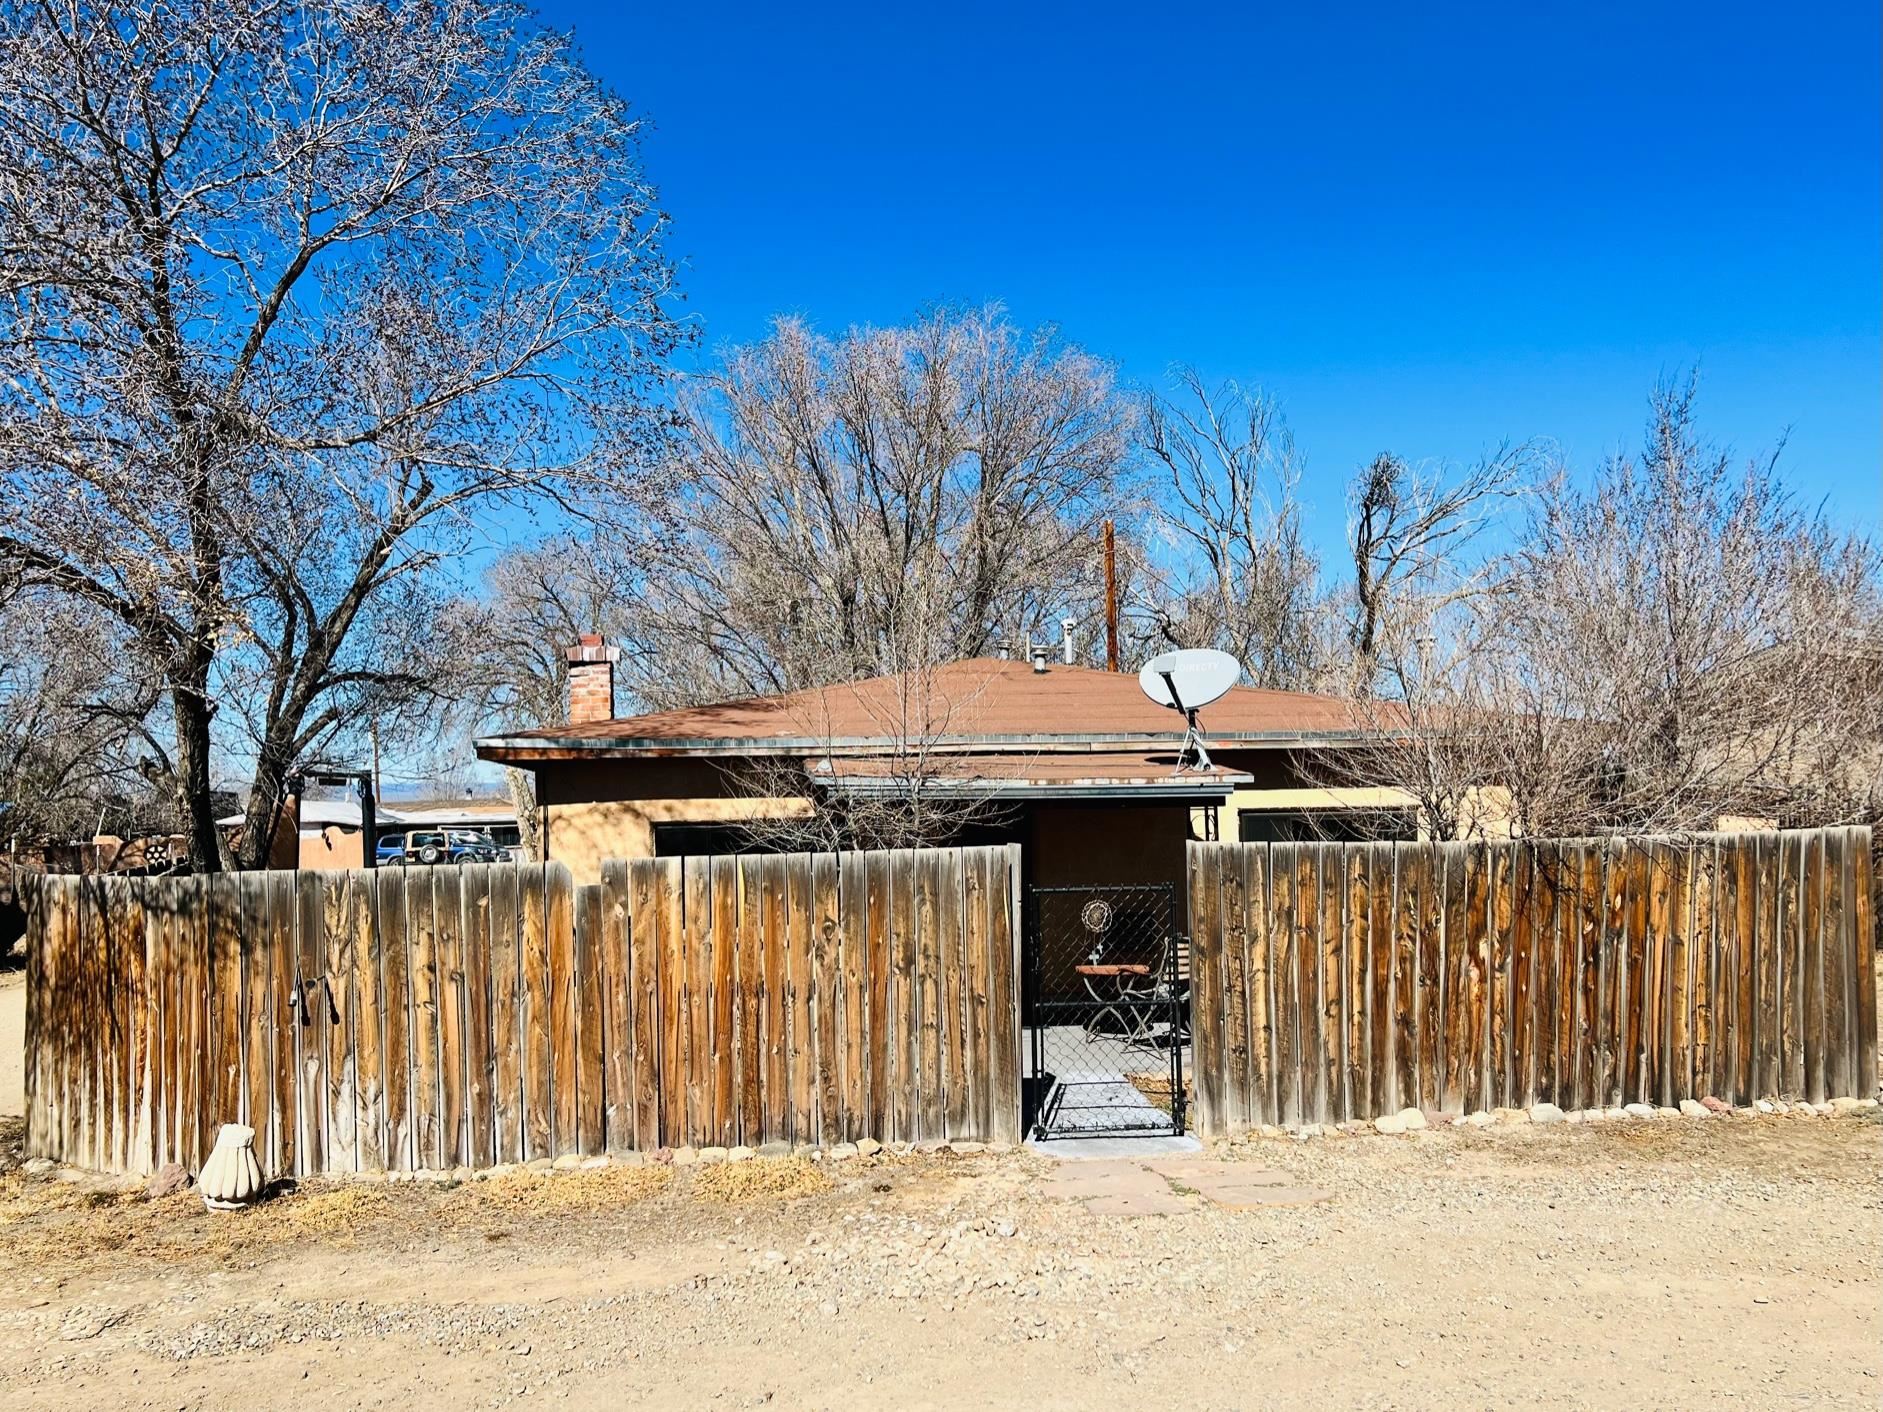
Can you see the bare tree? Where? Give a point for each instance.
(514, 671)
(912, 791)
(952, 475)
(1674, 642)
(1410, 535)
(1681, 641)
(291, 297)
(1239, 575)
(77, 755)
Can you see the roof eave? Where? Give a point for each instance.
(525, 749)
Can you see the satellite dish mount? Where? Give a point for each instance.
(1192, 754)
(1187, 681)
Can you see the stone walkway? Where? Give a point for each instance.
(1169, 1186)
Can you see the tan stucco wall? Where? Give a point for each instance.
(584, 834)
(1351, 798)
(332, 847)
(599, 809)
(1487, 813)
(594, 810)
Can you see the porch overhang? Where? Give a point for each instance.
(1195, 790)
(1141, 776)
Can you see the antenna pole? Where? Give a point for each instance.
(1192, 750)
(1111, 601)
(1191, 754)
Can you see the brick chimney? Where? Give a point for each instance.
(592, 679)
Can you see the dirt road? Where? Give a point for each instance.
(1669, 1263)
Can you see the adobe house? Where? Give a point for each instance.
(1075, 764)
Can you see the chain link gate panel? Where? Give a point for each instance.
(1106, 1011)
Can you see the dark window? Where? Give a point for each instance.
(1326, 826)
(678, 840)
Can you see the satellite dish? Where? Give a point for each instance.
(1189, 679)
(1186, 681)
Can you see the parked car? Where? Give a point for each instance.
(475, 846)
(426, 846)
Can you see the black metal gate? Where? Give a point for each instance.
(1106, 1011)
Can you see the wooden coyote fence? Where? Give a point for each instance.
(1335, 981)
(464, 1016)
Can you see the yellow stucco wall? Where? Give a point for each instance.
(1488, 813)
(593, 810)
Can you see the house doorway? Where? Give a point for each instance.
(1105, 1011)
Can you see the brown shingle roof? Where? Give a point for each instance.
(975, 703)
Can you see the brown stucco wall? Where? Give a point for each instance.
(1105, 841)
(594, 810)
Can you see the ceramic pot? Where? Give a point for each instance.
(231, 1178)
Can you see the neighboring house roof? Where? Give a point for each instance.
(330, 813)
(978, 705)
(468, 812)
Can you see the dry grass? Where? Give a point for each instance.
(179, 1228)
(328, 1214)
(758, 1179)
(49, 1219)
(520, 1195)
(1156, 1088)
(21, 1199)
(55, 1220)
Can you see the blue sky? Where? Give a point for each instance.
(1423, 234)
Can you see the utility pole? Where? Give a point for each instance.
(373, 730)
(369, 812)
(1111, 601)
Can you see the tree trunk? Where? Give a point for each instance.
(191, 711)
(522, 786)
(263, 815)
